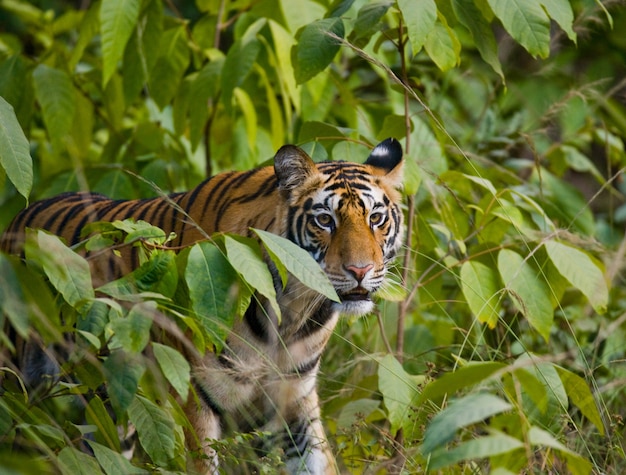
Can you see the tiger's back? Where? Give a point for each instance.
(346, 215)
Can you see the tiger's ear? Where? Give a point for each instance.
(387, 156)
(292, 167)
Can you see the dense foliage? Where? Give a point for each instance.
(498, 345)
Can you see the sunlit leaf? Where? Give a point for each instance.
(481, 289)
(581, 396)
(581, 271)
(112, 462)
(76, 462)
(14, 150)
(155, 428)
(175, 367)
(117, 20)
(316, 47)
(399, 390)
(459, 414)
(420, 17)
(528, 291)
(299, 263)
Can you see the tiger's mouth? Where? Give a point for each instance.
(355, 295)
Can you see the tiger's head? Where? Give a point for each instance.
(347, 216)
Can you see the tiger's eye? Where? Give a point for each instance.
(377, 218)
(324, 220)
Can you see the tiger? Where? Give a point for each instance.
(347, 215)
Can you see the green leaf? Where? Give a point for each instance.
(239, 62)
(159, 275)
(528, 290)
(481, 288)
(443, 46)
(420, 17)
(76, 462)
(213, 288)
(482, 34)
(56, 95)
(299, 263)
(463, 378)
(97, 415)
(368, 22)
(355, 411)
(15, 156)
(132, 332)
(12, 301)
(117, 20)
(112, 462)
(175, 368)
(581, 396)
(168, 71)
(576, 464)
(399, 390)
(316, 48)
(526, 22)
(155, 428)
(245, 256)
(68, 272)
(459, 414)
(123, 371)
(581, 271)
(561, 12)
(482, 447)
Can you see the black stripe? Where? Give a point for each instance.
(208, 400)
(255, 324)
(315, 322)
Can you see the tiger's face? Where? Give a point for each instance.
(347, 216)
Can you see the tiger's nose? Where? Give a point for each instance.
(359, 272)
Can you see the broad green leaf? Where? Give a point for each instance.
(239, 62)
(581, 396)
(112, 462)
(368, 22)
(158, 275)
(482, 447)
(175, 368)
(298, 13)
(12, 301)
(283, 43)
(117, 20)
(299, 263)
(459, 414)
(355, 411)
(122, 371)
(526, 22)
(482, 34)
(203, 88)
(132, 332)
(463, 378)
(420, 17)
(155, 429)
(561, 12)
(170, 66)
(213, 288)
(399, 390)
(245, 256)
(78, 463)
(56, 95)
(426, 148)
(581, 271)
(249, 115)
(576, 464)
(528, 290)
(97, 415)
(68, 272)
(15, 156)
(316, 48)
(88, 28)
(443, 46)
(142, 51)
(481, 288)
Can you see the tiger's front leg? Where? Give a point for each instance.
(297, 429)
